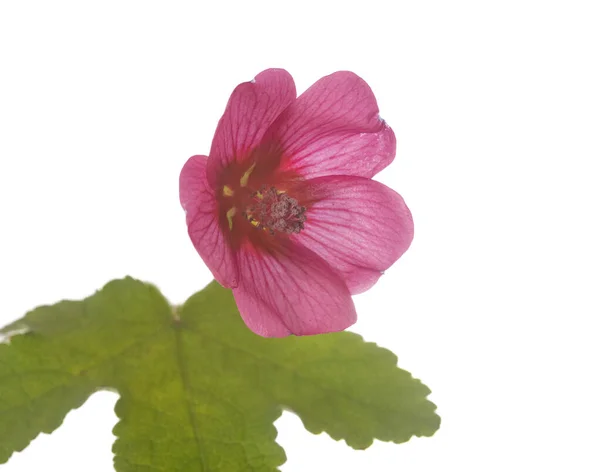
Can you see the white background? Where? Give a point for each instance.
(496, 107)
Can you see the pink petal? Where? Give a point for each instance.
(359, 226)
(289, 289)
(334, 128)
(252, 108)
(200, 205)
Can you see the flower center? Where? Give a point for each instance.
(273, 210)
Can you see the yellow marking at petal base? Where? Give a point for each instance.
(227, 191)
(230, 214)
(246, 176)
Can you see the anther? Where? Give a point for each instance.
(276, 211)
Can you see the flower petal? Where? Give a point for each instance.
(200, 205)
(334, 128)
(288, 289)
(252, 108)
(359, 226)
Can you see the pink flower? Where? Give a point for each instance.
(284, 211)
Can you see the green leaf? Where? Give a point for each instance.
(198, 390)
